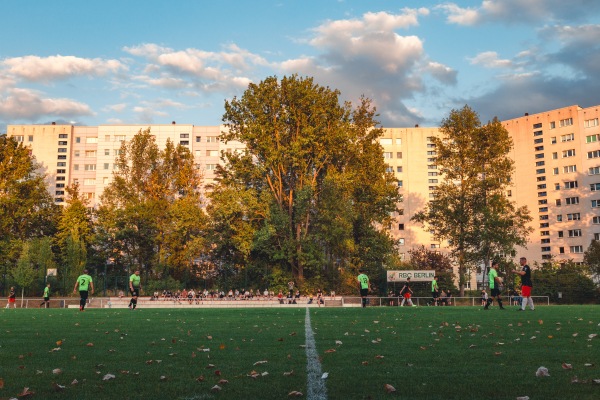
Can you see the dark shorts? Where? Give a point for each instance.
(495, 292)
(135, 292)
(46, 298)
(83, 294)
(435, 295)
(364, 292)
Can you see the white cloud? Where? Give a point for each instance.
(459, 15)
(489, 59)
(119, 108)
(44, 69)
(30, 105)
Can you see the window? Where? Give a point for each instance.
(543, 209)
(30, 138)
(432, 159)
(432, 187)
(184, 142)
(543, 217)
(558, 202)
(401, 211)
(569, 168)
(63, 136)
(434, 246)
(591, 138)
(509, 193)
(119, 138)
(107, 152)
(401, 241)
(90, 153)
(544, 225)
(62, 149)
(566, 122)
(570, 185)
(398, 141)
(60, 171)
(89, 167)
(399, 154)
(385, 141)
(184, 135)
(537, 126)
(574, 217)
(212, 153)
(89, 181)
(435, 173)
(542, 186)
(594, 171)
(542, 194)
(78, 139)
(544, 233)
(537, 133)
(61, 164)
(198, 139)
(595, 187)
(431, 153)
(541, 178)
(89, 196)
(387, 155)
(59, 192)
(559, 218)
(105, 180)
(569, 153)
(430, 166)
(62, 143)
(545, 241)
(432, 181)
(595, 203)
(399, 168)
(540, 163)
(106, 166)
(544, 201)
(400, 227)
(91, 140)
(76, 153)
(540, 171)
(553, 140)
(117, 152)
(546, 248)
(62, 157)
(211, 167)
(212, 139)
(431, 145)
(60, 178)
(596, 236)
(596, 220)
(389, 169)
(593, 154)
(567, 138)
(538, 140)
(571, 200)
(590, 123)
(107, 138)
(539, 155)
(552, 125)
(400, 183)
(576, 249)
(560, 234)
(539, 148)
(60, 185)
(561, 250)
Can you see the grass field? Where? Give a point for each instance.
(423, 352)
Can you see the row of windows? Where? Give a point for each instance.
(561, 250)
(388, 155)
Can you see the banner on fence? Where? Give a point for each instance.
(51, 272)
(415, 276)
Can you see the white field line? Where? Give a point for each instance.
(315, 385)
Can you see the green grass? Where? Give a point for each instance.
(425, 356)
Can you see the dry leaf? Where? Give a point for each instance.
(378, 356)
(567, 366)
(389, 388)
(55, 349)
(108, 377)
(260, 362)
(423, 347)
(25, 393)
(295, 394)
(200, 378)
(338, 342)
(541, 322)
(497, 353)
(293, 334)
(523, 398)
(90, 345)
(473, 345)
(124, 372)
(209, 337)
(264, 373)
(330, 351)
(222, 346)
(59, 342)
(280, 339)
(57, 371)
(588, 365)
(1, 383)
(209, 366)
(215, 388)
(593, 335)
(217, 372)
(163, 378)
(542, 371)
(58, 387)
(75, 382)
(325, 375)
(288, 373)
(365, 363)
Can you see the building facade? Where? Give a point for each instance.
(556, 154)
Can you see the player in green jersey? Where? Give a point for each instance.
(363, 281)
(494, 281)
(46, 302)
(84, 282)
(135, 286)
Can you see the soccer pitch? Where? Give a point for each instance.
(422, 352)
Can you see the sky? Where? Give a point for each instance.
(98, 62)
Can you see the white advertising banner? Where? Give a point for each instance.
(415, 276)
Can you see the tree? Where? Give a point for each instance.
(75, 234)
(26, 208)
(591, 258)
(319, 169)
(470, 209)
(150, 216)
(422, 259)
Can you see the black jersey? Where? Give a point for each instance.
(526, 279)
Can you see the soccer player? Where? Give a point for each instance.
(363, 280)
(526, 285)
(435, 291)
(46, 301)
(135, 286)
(12, 296)
(84, 282)
(406, 292)
(494, 282)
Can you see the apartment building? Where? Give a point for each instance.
(556, 153)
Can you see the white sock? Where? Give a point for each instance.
(403, 300)
(531, 303)
(523, 303)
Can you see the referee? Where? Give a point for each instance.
(134, 287)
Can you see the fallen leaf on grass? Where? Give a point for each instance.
(330, 351)
(200, 378)
(163, 378)
(423, 347)
(541, 322)
(497, 353)
(253, 374)
(217, 372)
(57, 371)
(209, 366)
(295, 394)
(124, 372)
(209, 337)
(264, 373)
(542, 371)
(215, 388)
(90, 345)
(338, 342)
(325, 375)
(288, 373)
(223, 382)
(54, 349)
(260, 362)
(59, 342)
(108, 377)
(473, 345)
(75, 382)
(379, 356)
(293, 334)
(389, 388)
(523, 398)
(567, 366)
(58, 387)
(588, 365)
(25, 393)
(365, 363)
(593, 335)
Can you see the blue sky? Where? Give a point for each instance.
(148, 61)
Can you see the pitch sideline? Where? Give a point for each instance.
(315, 385)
